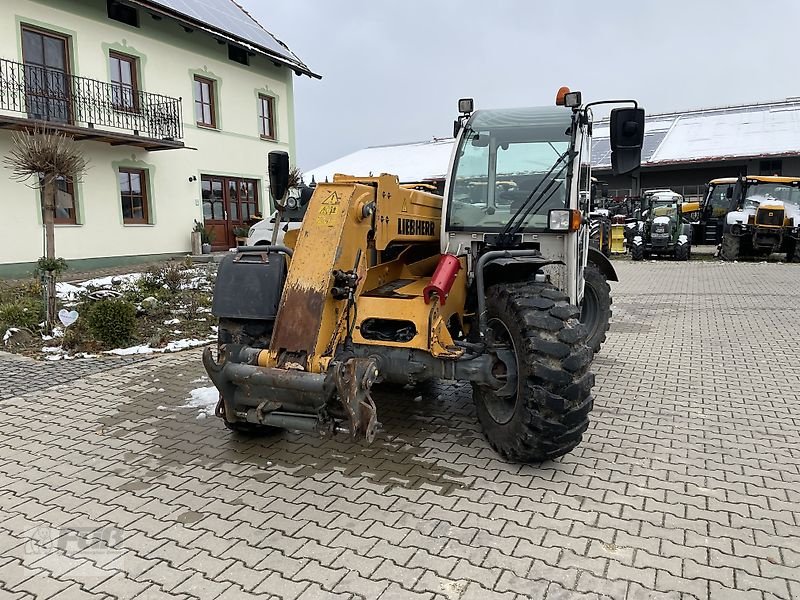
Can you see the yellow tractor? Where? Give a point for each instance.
(489, 284)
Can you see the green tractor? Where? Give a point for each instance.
(663, 229)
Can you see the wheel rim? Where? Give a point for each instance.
(590, 310)
(499, 404)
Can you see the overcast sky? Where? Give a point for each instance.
(393, 70)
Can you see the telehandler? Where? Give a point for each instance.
(489, 284)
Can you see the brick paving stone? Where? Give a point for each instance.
(685, 485)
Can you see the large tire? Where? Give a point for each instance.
(249, 333)
(637, 252)
(682, 251)
(596, 307)
(605, 247)
(545, 414)
(731, 245)
(793, 252)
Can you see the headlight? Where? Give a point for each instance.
(291, 203)
(559, 219)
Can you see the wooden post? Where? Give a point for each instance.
(50, 248)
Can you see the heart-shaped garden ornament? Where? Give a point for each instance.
(67, 317)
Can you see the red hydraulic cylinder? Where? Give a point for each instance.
(443, 278)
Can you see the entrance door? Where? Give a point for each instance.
(228, 204)
(47, 83)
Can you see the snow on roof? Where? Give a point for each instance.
(753, 130)
(771, 129)
(236, 25)
(419, 161)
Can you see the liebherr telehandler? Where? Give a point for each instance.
(491, 284)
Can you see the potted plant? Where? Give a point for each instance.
(240, 233)
(206, 236)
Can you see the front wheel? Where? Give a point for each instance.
(682, 251)
(540, 354)
(596, 307)
(731, 245)
(637, 252)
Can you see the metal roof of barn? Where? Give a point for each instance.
(228, 21)
(715, 134)
(696, 136)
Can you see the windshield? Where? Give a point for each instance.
(757, 193)
(501, 161)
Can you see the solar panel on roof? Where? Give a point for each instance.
(227, 16)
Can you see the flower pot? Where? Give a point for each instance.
(206, 248)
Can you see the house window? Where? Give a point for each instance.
(133, 195)
(266, 116)
(205, 114)
(122, 13)
(770, 167)
(65, 213)
(124, 81)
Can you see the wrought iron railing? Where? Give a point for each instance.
(51, 95)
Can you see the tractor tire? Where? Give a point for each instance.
(682, 251)
(250, 333)
(637, 252)
(596, 307)
(793, 252)
(731, 245)
(605, 246)
(545, 414)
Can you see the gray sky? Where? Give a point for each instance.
(393, 70)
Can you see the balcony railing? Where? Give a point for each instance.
(51, 95)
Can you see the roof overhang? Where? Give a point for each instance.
(298, 67)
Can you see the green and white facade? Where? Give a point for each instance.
(175, 126)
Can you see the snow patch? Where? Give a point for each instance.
(172, 322)
(9, 332)
(204, 400)
(170, 347)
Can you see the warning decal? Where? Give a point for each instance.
(328, 210)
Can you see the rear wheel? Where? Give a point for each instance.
(539, 343)
(682, 251)
(596, 307)
(249, 333)
(637, 252)
(731, 245)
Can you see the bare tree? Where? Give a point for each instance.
(44, 156)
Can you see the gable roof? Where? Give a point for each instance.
(418, 161)
(225, 19)
(734, 132)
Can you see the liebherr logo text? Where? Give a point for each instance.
(415, 227)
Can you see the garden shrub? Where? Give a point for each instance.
(24, 312)
(112, 321)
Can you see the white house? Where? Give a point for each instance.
(176, 105)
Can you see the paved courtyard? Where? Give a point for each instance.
(686, 485)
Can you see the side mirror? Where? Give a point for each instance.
(456, 127)
(729, 193)
(278, 171)
(604, 190)
(627, 138)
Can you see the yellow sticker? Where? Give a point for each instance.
(328, 211)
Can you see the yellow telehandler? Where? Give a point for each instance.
(491, 284)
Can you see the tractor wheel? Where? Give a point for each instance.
(605, 247)
(542, 412)
(682, 251)
(596, 307)
(793, 252)
(730, 247)
(250, 333)
(637, 252)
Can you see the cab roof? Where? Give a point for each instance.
(761, 178)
